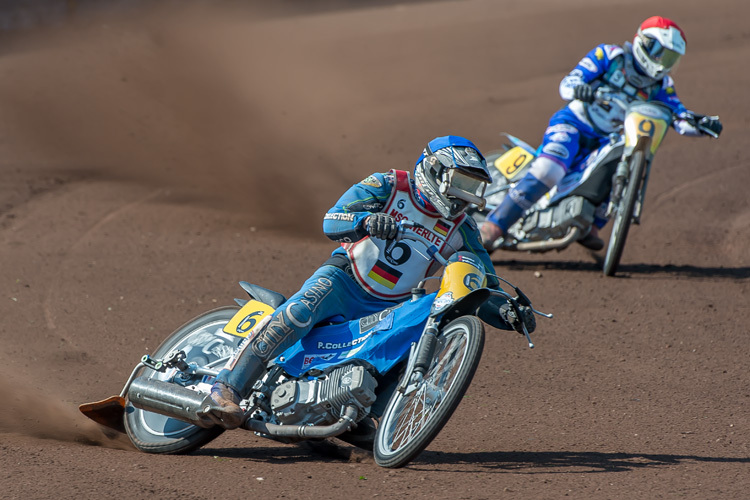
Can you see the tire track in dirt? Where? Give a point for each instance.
(684, 186)
(635, 389)
(55, 280)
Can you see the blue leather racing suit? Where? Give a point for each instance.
(579, 128)
(364, 275)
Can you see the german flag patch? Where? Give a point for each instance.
(441, 228)
(384, 274)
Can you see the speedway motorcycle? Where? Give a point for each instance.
(610, 181)
(387, 382)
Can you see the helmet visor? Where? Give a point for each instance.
(458, 185)
(466, 183)
(660, 54)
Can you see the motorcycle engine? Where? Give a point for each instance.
(555, 221)
(320, 401)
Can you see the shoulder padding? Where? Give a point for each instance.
(614, 50)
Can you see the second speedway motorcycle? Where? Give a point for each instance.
(387, 382)
(611, 179)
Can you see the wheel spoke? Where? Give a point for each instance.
(413, 419)
(416, 409)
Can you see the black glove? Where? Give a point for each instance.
(710, 125)
(527, 318)
(381, 225)
(584, 93)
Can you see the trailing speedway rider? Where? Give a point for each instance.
(635, 71)
(370, 271)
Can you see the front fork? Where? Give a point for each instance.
(619, 182)
(420, 357)
(423, 352)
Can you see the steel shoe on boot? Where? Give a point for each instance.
(225, 408)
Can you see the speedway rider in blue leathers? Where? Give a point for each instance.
(371, 271)
(633, 71)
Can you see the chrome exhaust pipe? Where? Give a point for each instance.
(541, 246)
(345, 423)
(168, 399)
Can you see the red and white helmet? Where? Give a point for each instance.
(658, 46)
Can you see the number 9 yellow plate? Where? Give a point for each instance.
(513, 161)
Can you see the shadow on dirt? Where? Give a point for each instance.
(517, 462)
(630, 270)
(327, 450)
(562, 461)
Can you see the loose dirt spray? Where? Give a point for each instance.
(27, 411)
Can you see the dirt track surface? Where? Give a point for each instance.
(150, 164)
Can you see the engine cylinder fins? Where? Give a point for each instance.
(321, 400)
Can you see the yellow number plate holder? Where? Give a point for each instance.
(246, 318)
(512, 162)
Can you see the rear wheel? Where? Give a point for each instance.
(413, 419)
(155, 433)
(624, 210)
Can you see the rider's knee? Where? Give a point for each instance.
(547, 171)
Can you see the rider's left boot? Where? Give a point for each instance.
(490, 233)
(520, 198)
(231, 385)
(592, 241)
(225, 406)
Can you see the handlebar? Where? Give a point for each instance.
(516, 302)
(401, 234)
(698, 121)
(521, 299)
(432, 251)
(605, 98)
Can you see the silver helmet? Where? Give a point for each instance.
(452, 173)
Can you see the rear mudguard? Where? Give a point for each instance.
(256, 292)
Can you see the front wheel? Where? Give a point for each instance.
(624, 210)
(203, 343)
(413, 419)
